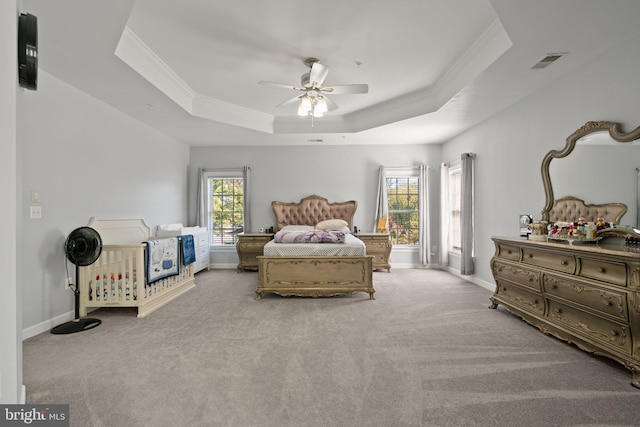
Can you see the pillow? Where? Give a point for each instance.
(297, 228)
(333, 224)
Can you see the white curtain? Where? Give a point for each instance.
(203, 191)
(382, 207)
(466, 215)
(423, 203)
(201, 200)
(444, 214)
(246, 182)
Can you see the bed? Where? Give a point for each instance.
(133, 270)
(314, 270)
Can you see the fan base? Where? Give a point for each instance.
(77, 325)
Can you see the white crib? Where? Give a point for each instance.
(118, 277)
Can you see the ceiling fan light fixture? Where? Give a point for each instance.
(305, 106)
(321, 106)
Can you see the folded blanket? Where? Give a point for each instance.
(313, 236)
(188, 249)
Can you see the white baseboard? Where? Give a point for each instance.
(23, 395)
(482, 283)
(34, 330)
(223, 266)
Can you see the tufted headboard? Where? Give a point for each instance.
(571, 208)
(311, 210)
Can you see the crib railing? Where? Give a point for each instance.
(118, 278)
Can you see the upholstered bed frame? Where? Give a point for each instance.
(314, 276)
(571, 208)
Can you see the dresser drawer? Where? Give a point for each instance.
(201, 240)
(551, 260)
(517, 274)
(530, 301)
(607, 271)
(600, 299)
(201, 264)
(202, 252)
(610, 333)
(508, 252)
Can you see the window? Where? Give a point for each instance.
(403, 204)
(226, 212)
(455, 199)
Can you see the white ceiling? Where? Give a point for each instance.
(190, 68)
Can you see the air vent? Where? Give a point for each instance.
(547, 60)
(315, 140)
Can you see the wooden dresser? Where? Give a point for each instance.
(378, 245)
(249, 246)
(586, 294)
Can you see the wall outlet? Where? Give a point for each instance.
(262, 229)
(35, 212)
(68, 282)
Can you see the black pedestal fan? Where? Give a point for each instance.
(82, 247)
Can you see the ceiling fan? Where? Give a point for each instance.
(313, 100)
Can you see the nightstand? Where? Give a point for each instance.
(249, 246)
(378, 245)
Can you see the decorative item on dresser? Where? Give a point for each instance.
(327, 271)
(249, 247)
(200, 241)
(579, 289)
(378, 245)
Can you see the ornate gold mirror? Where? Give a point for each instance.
(598, 164)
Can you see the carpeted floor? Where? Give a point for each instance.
(426, 352)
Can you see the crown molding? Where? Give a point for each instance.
(493, 43)
(135, 53)
(220, 111)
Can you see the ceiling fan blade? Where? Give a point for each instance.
(330, 104)
(342, 89)
(290, 101)
(318, 73)
(286, 86)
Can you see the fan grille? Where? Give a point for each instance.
(83, 246)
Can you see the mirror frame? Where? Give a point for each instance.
(615, 131)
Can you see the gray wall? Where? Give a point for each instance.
(336, 172)
(511, 145)
(85, 159)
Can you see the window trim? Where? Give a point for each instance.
(234, 173)
(405, 172)
(455, 168)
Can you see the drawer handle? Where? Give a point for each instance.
(535, 302)
(608, 303)
(600, 270)
(509, 251)
(564, 262)
(558, 311)
(554, 286)
(614, 333)
(530, 255)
